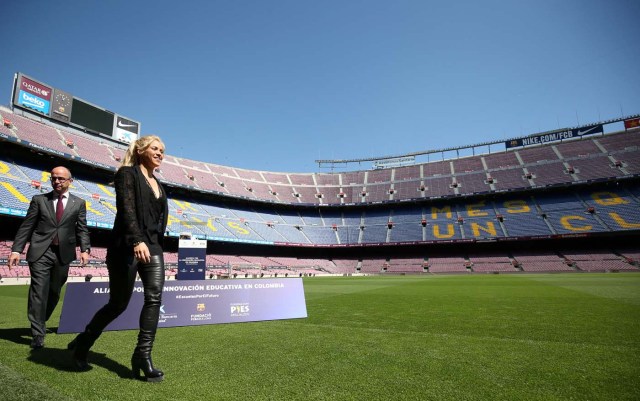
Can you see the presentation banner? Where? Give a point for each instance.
(191, 303)
(192, 259)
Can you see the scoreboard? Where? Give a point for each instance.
(45, 100)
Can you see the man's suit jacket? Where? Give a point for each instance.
(40, 226)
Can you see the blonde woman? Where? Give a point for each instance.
(135, 248)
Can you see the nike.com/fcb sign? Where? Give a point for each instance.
(555, 136)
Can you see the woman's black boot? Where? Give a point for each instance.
(80, 347)
(152, 276)
(145, 364)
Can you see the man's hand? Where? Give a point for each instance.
(14, 259)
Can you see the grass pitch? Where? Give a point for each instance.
(467, 337)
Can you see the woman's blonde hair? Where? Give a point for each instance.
(132, 158)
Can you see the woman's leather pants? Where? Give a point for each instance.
(121, 283)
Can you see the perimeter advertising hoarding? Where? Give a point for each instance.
(191, 303)
(394, 162)
(555, 136)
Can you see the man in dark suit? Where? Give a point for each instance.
(55, 223)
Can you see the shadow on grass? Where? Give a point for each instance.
(19, 335)
(62, 359)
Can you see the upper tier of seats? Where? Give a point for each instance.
(593, 158)
(543, 213)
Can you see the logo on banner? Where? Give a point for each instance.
(201, 316)
(164, 316)
(35, 88)
(596, 129)
(34, 102)
(127, 125)
(123, 125)
(125, 136)
(239, 309)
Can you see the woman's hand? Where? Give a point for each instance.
(141, 252)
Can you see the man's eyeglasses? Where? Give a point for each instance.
(61, 179)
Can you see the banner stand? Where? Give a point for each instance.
(192, 258)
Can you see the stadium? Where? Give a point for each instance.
(569, 197)
(424, 260)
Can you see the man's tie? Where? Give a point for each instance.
(59, 211)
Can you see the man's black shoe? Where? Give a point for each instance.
(37, 342)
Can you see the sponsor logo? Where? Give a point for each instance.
(594, 129)
(123, 125)
(35, 88)
(32, 101)
(239, 309)
(554, 136)
(581, 132)
(198, 317)
(125, 136)
(200, 307)
(40, 147)
(164, 316)
(91, 162)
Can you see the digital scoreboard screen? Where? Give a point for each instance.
(56, 104)
(92, 118)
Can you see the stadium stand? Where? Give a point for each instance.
(447, 264)
(542, 214)
(373, 265)
(491, 263)
(406, 265)
(541, 261)
(527, 193)
(597, 260)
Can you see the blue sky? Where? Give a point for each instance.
(274, 85)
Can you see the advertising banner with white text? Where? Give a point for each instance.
(191, 303)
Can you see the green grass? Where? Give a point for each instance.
(478, 337)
